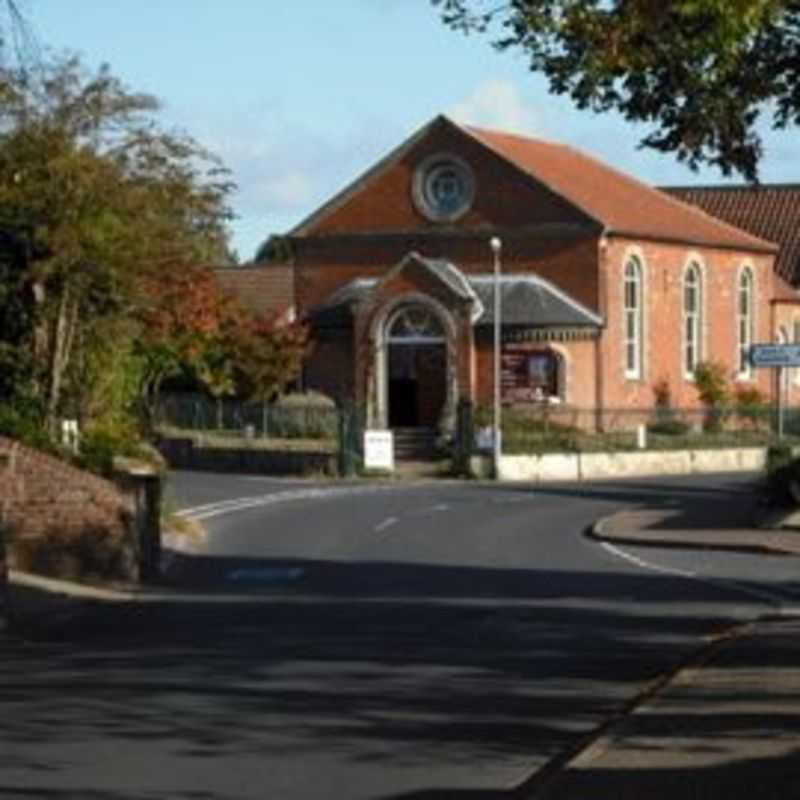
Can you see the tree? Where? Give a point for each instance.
(186, 316)
(270, 354)
(700, 72)
(105, 198)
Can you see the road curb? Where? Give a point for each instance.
(63, 588)
(540, 785)
(597, 532)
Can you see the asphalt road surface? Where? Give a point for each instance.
(440, 640)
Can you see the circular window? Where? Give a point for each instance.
(443, 188)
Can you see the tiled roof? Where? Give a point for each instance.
(531, 301)
(263, 289)
(622, 204)
(526, 300)
(337, 310)
(769, 211)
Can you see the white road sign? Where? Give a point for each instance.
(775, 355)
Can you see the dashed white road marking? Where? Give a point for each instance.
(387, 523)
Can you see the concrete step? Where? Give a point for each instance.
(414, 443)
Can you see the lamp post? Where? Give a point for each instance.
(497, 246)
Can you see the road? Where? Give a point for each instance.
(423, 641)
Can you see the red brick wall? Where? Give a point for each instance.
(323, 265)
(785, 316)
(664, 267)
(43, 496)
(502, 197)
(578, 357)
(330, 369)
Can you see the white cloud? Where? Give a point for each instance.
(291, 190)
(497, 104)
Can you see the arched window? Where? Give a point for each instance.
(633, 318)
(692, 321)
(796, 340)
(744, 320)
(415, 324)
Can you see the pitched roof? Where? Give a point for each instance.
(531, 301)
(526, 300)
(769, 211)
(622, 204)
(616, 201)
(263, 289)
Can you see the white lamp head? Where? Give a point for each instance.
(496, 243)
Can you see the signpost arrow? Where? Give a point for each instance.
(775, 355)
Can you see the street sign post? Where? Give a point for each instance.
(776, 356)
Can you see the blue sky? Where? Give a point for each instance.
(299, 97)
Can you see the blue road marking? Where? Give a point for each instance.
(265, 574)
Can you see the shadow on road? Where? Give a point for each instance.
(387, 666)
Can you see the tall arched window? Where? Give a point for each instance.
(744, 320)
(692, 321)
(633, 318)
(796, 340)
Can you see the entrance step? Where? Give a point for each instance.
(414, 470)
(414, 444)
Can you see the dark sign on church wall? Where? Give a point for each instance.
(528, 373)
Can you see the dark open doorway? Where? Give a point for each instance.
(417, 384)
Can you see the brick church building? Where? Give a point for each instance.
(608, 286)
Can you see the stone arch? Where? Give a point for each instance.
(378, 390)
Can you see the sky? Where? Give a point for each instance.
(299, 97)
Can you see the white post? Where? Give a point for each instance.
(781, 402)
(497, 246)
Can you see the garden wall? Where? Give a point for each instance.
(64, 521)
(592, 466)
(185, 453)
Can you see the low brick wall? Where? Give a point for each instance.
(86, 521)
(186, 454)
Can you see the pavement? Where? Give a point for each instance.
(725, 723)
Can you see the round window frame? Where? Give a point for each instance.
(424, 174)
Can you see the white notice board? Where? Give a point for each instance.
(379, 450)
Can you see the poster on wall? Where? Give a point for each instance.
(528, 373)
(379, 450)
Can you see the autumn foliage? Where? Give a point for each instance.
(191, 326)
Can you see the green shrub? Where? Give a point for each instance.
(711, 382)
(669, 427)
(782, 471)
(310, 399)
(23, 423)
(751, 406)
(98, 445)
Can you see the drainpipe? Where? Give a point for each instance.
(599, 347)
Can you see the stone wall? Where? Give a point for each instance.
(186, 454)
(63, 520)
(609, 466)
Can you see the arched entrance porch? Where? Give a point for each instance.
(413, 381)
(416, 374)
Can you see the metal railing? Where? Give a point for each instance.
(233, 416)
(566, 429)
